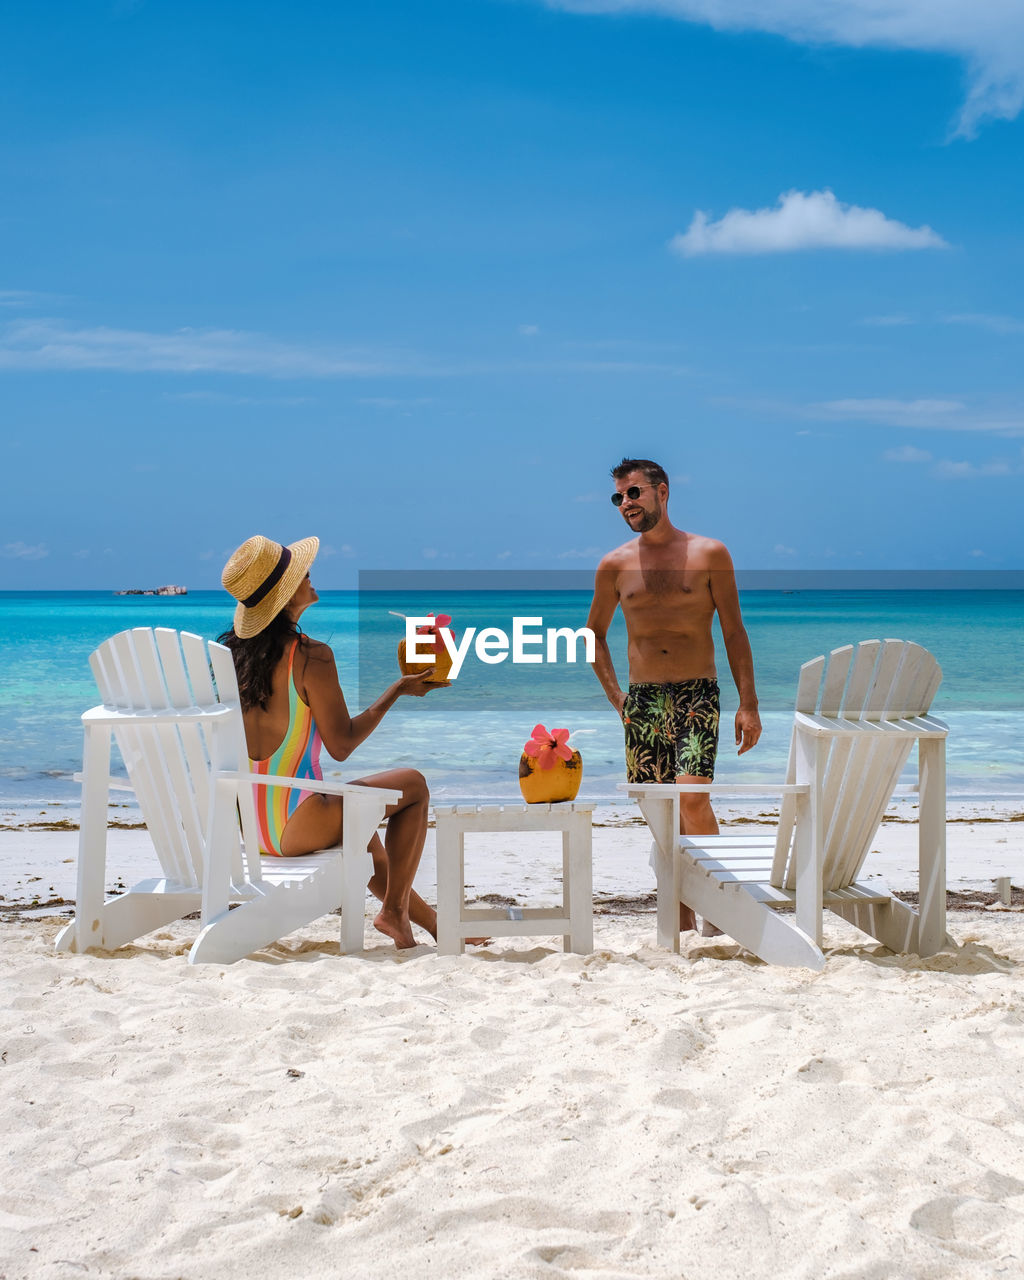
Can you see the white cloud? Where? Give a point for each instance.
(48, 344)
(888, 410)
(220, 397)
(19, 298)
(529, 330)
(393, 402)
(997, 324)
(970, 470)
(581, 553)
(907, 453)
(801, 220)
(611, 366)
(781, 549)
(45, 345)
(430, 553)
(885, 322)
(947, 469)
(23, 551)
(937, 414)
(941, 415)
(987, 35)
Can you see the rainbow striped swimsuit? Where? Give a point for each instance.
(298, 756)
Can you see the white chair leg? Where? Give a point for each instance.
(357, 869)
(932, 845)
(451, 892)
(577, 860)
(87, 928)
(667, 881)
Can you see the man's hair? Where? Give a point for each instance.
(654, 473)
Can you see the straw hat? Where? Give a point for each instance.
(263, 576)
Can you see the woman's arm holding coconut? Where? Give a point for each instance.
(342, 732)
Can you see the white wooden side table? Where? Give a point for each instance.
(574, 919)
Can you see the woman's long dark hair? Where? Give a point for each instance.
(257, 658)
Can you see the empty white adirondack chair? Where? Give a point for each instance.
(857, 719)
(171, 703)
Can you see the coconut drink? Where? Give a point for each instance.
(442, 660)
(550, 771)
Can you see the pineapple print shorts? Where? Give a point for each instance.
(671, 729)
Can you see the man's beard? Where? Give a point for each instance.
(647, 521)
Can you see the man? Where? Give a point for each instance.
(669, 585)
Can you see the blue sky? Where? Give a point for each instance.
(413, 276)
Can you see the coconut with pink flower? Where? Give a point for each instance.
(550, 771)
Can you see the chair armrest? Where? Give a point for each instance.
(826, 726)
(127, 716)
(321, 786)
(663, 790)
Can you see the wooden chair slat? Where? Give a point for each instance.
(898, 703)
(178, 692)
(834, 682)
(247, 863)
(859, 685)
(931, 689)
(197, 662)
(184, 818)
(808, 690)
(808, 685)
(124, 654)
(98, 666)
(886, 670)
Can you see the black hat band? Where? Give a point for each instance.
(270, 581)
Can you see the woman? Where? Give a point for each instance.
(292, 704)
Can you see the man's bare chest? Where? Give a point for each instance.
(664, 586)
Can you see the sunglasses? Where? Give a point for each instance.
(632, 493)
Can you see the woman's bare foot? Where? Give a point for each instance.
(396, 926)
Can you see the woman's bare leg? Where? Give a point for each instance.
(420, 912)
(317, 824)
(403, 847)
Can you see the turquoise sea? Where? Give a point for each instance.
(467, 738)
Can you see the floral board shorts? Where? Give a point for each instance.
(671, 729)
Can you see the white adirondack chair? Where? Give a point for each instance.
(857, 719)
(171, 703)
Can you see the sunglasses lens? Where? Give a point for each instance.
(632, 493)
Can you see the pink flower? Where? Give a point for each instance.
(442, 620)
(547, 748)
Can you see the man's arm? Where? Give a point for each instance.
(737, 647)
(602, 610)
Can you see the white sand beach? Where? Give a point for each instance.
(515, 1111)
